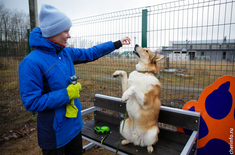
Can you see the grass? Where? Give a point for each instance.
(198, 69)
(203, 74)
(8, 77)
(96, 77)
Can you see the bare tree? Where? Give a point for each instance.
(13, 31)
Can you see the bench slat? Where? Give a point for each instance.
(174, 136)
(110, 103)
(108, 118)
(179, 119)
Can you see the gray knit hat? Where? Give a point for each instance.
(52, 21)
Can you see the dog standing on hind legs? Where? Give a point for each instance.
(142, 93)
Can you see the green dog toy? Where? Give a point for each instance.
(103, 129)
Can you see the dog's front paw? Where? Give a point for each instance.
(124, 142)
(150, 149)
(118, 73)
(125, 97)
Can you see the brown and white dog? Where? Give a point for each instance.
(142, 93)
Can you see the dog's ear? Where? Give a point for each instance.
(156, 58)
(160, 57)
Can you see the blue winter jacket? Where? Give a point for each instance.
(43, 79)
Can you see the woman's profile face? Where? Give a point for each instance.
(62, 37)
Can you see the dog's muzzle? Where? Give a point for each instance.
(136, 46)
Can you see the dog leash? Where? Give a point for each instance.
(122, 131)
(105, 129)
(102, 130)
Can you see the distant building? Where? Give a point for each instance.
(214, 50)
(127, 54)
(113, 55)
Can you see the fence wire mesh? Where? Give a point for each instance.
(13, 48)
(197, 38)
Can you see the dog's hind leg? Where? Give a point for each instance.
(151, 138)
(125, 142)
(126, 131)
(150, 148)
(123, 76)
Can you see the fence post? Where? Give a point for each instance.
(28, 33)
(144, 27)
(29, 50)
(33, 13)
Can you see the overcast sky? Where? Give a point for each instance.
(84, 8)
(195, 23)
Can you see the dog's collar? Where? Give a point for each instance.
(156, 74)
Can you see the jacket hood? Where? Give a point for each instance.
(36, 40)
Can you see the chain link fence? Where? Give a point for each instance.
(13, 48)
(197, 38)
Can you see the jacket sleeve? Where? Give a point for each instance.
(81, 55)
(31, 88)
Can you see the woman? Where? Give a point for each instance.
(45, 84)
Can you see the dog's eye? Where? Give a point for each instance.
(147, 51)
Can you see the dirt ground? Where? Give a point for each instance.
(29, 146)
(18, 130)
(23, 141)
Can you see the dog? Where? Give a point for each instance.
(142, 93)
